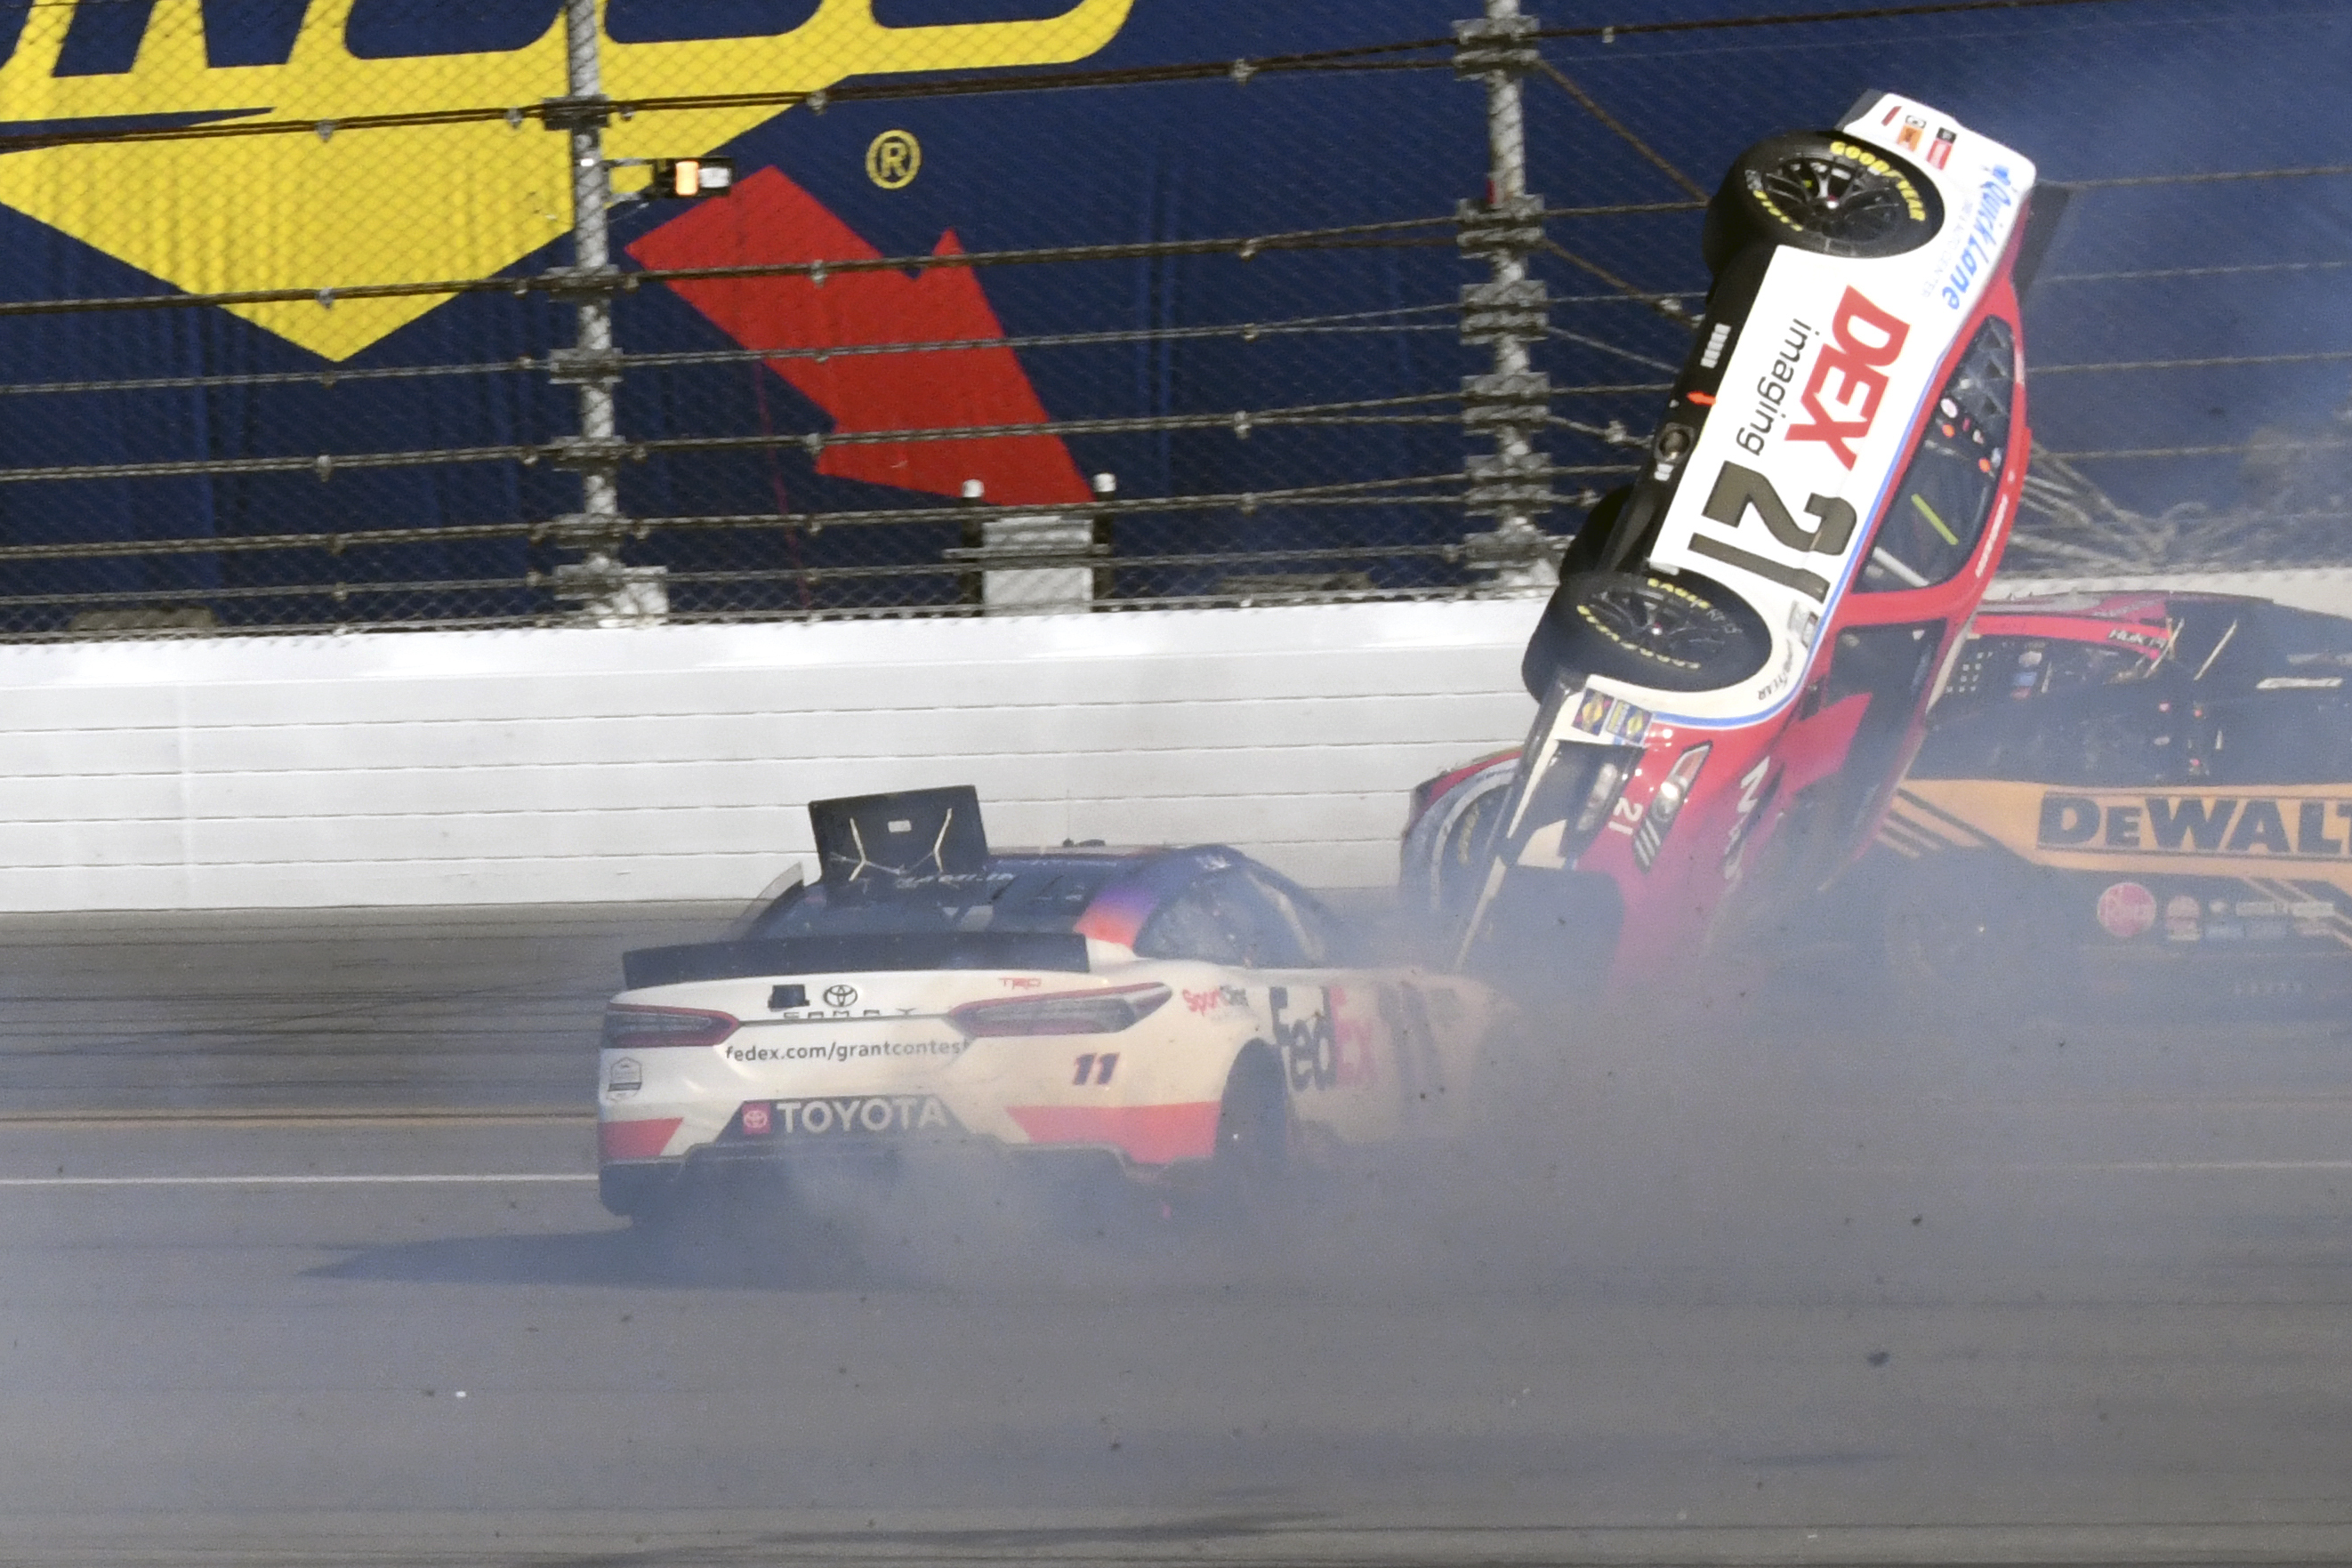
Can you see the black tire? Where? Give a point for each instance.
(1252, 1163)
(1968, 941)
(1675, 634)
(1816, 191)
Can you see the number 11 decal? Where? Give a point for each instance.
(1093, 1069)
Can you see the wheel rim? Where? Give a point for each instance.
(1663, 625)
(1836, 199)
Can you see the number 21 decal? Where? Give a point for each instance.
(1738, 490)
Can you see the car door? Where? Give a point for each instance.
(1371, 1053)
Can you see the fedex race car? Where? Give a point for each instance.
(1743, 640)
(1183, 1015)
(2115, 787)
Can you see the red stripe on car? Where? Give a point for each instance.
(639, 1140)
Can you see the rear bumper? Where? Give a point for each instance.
(715, 1172)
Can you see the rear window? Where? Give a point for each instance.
(1939, 508)
(1043, 897)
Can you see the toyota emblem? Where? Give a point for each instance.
(841, 996)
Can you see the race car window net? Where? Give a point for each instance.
(1939, 511)
(1041, 896)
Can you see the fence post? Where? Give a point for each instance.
(604, 591)
(1511, 312)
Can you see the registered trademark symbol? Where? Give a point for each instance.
(892, 160)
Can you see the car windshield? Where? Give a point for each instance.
(1030, 896)
(1940, 507)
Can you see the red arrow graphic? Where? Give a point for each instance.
(770, 219)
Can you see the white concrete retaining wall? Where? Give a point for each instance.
(674, 763)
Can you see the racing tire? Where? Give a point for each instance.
(1967, 941)
(1675, 635)
(1818, 192)
(1252, 1161)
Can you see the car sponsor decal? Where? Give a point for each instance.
(845, 1116)
(1216, 1000)
(1611, 718)
(624, 1077)
(843, 1050)
(1986, 219)
(1780, 490)
(1757, 787)
(2212, 830)
(2125, 910)
(2197, 824)
(1772, 387)
(2181, 919)
(1849, 379)
(1303, 1038)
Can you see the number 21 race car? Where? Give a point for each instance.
(1184, 1016)
(1743, 641)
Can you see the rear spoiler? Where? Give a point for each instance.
(793, 955)
(2045, 209)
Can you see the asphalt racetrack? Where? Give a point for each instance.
(300, 1261)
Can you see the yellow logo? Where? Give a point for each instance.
(894, 159)
(418, 203)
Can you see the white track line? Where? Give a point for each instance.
(479, 1179)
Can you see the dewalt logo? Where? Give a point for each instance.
(2279, 827)
(414, 202)
(2247, 832)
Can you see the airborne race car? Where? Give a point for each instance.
(1184, 1015)
(1743, 641)
(2115, 787)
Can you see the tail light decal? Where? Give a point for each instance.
(631, 1027)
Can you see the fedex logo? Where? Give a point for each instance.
(1849, 379)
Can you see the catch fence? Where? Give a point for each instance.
(359, 315)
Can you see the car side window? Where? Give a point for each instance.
(1269, 938)
(1192, 925)
(2116, 738)
(2279, 736)
(1312, 934)
(1940, 507)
